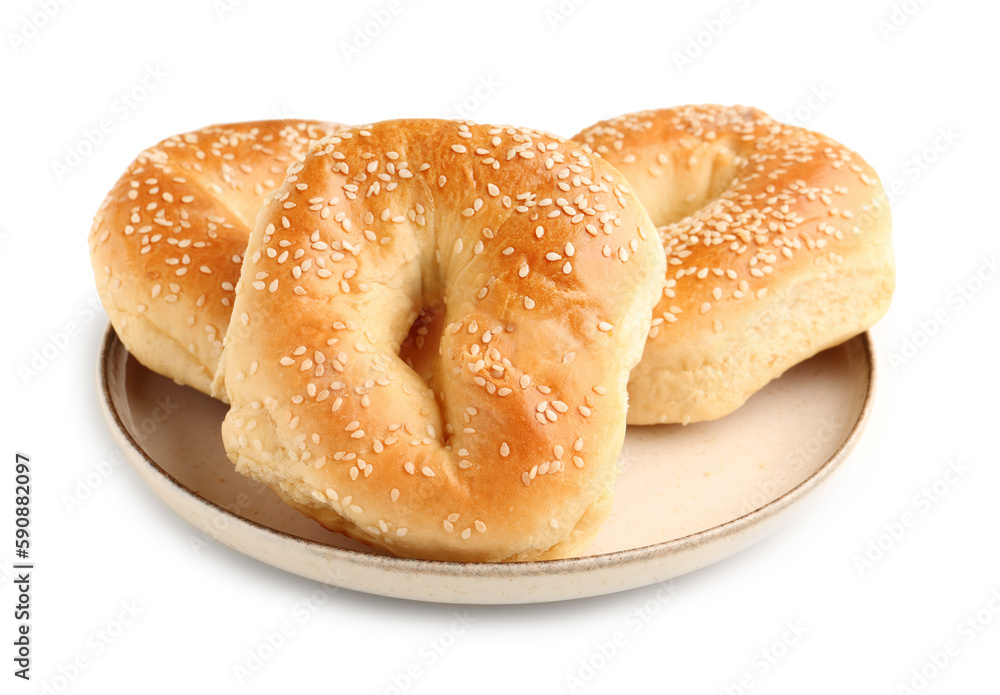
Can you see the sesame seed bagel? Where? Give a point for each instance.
(778, 247)
(168, 241)
(509, 452)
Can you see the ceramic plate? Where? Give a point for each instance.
(687, 496)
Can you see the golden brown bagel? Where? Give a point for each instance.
(168, 241)
(547, 270)
(778, 246)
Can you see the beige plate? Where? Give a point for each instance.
(686, 497)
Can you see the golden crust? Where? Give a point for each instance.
(168, 241)
(547, 270)
(778, 246)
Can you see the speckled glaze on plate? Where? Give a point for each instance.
(686, 496)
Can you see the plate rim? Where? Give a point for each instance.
(507, 570)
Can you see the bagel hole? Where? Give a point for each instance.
(419, 349)
(696, 189)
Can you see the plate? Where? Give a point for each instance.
(687, 496)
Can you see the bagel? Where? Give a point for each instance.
(778, 247)
(509, 453)
(168, 241)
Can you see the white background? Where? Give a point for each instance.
(885, 77)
